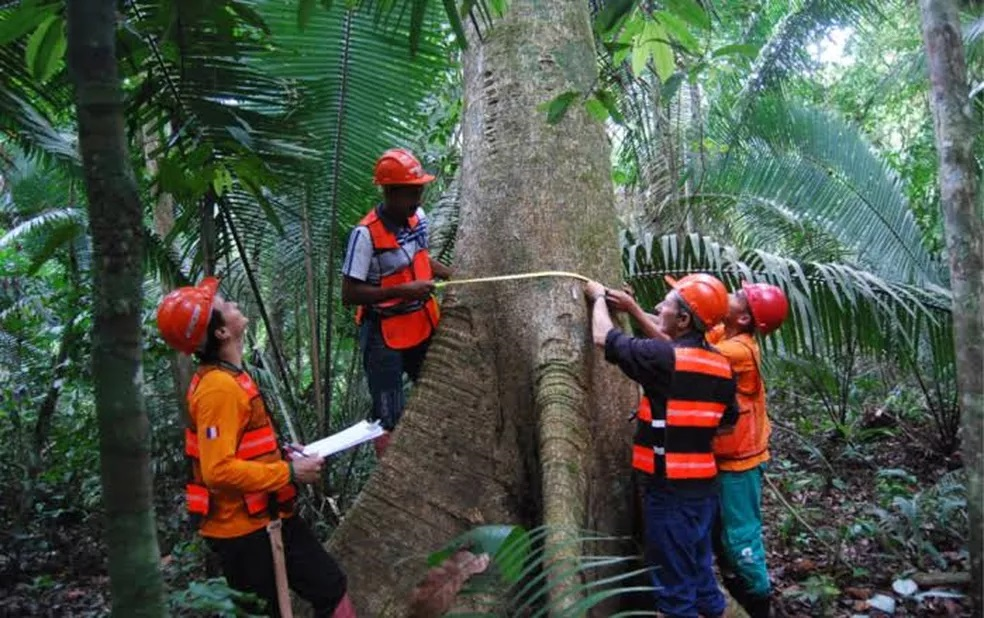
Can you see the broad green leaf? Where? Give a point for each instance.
(691, 12)
(613, 12)
(640, 55)
(508, 546)
(671, 86)
(611, 104)
(678, 31)
(22, 20)
(46, 48)
(741, 49)
(498, 7)
(556, 108)
(221, 181)
(597, 109)
(661, 52)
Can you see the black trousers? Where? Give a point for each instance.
(247, 563)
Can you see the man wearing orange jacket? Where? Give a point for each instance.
(389, 274)
(741, 455)
(240, 481)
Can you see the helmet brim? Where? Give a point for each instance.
(423, 180)
(670, 281)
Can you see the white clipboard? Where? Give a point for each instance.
(355, 435)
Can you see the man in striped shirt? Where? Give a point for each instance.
(389, 274)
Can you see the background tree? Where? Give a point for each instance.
(115, 217)
(516, 418)
(957, 122)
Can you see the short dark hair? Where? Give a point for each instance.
(695, 322)
(208, 352)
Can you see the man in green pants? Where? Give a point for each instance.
(741, 455)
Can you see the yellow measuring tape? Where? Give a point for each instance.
(536, 275)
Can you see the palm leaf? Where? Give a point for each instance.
(816, 167)
(831, 305)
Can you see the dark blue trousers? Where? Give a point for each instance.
(679, 551)
(384, 369)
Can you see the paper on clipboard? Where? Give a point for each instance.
(353, 436)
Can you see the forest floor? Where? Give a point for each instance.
(848, 529)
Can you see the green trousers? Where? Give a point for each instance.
(740, 545)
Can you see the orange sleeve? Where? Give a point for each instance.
(221, 406)
(738, 355)
(715, 335)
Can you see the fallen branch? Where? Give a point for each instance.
(931, 580)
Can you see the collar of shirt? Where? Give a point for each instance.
(691, 339)
(390, 224)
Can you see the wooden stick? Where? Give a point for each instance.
(930, 580)
(275, 530)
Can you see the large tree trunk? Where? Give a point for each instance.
(516, 417)
(116, 227)
(956, 133)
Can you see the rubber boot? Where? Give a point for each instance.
(736, 588)
(758, 606)
(380, 444)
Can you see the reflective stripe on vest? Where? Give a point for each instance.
(253, 444)
(696, 360)
(690, 466)
(643, 459)
(688, 420)
(693, 413)
(197, 499)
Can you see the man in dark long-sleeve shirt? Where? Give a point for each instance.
(689, 395)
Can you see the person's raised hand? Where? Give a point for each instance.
(620, 300)
(593, 290)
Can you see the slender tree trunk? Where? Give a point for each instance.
(956, 133)
(320, 412)
(181, 367)
(516, 417)
(115, 217)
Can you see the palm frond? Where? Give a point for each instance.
(782, 51)
(805, 164)
(831, 305)
(525, 572)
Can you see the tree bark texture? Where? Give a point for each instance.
(517, 418)
(956, 133)
(116, 224)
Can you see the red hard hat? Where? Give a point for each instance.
(767, 304)
(398, 166)
(704, 295)
(184, 314)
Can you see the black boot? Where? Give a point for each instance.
(757, 606)
(736, 588)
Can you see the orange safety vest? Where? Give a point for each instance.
(404, 324)
(748, 445)
(258, 442)
(675, 429)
